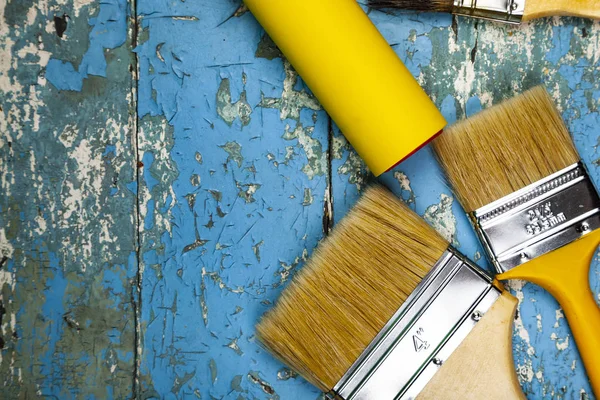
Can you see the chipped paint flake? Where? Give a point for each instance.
(287, 270)
(256, 249)
(525, 371)
(180, 381)
(68, 135)
(317, 160)
(195, 180)
(229, 111)
(236, 384)
(285, 373)
(203, 305)
(561, 344)
(233, 345)
(90, 165)
(234, 150)
(253, 376)
(441, 218)
(78, 5)
(308, 197)
(246, 191)
(559, 315)
(407, 193)
(212, 365)
(6, 248)
(291, 101)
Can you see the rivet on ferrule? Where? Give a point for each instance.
(510, 11)
(539, 218)
(425, 331)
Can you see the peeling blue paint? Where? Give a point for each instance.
(108, 31)
(202, 266)
(54, 310)
(239, 175)
(63, 75)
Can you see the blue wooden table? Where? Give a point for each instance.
(164, 173)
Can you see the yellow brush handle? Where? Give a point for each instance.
(355, 74)
(564, 273)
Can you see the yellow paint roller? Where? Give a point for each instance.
(355, 74)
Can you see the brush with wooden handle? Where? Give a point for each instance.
(385, 309)
(515, 170)
(510, 11)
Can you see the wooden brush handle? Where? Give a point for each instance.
(548, 8)
(482, 366)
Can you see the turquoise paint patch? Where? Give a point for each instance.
(53, 309)
(150, 180)
(132, 187)
(473, 106)
(149, 220)
(561, 39)
(109, 31)
(63, 75)
(573, 74)
(111, 150)
(448, 109)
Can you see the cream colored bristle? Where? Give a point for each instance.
(350, 287)
(505, 148)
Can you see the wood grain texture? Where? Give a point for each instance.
(482, 366)
(68, 257)
(573, 8)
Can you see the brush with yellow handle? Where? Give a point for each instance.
(385, 309)
(516, 172)
(355, 74)
(510, 11)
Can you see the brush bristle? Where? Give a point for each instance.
(417, 5)
(350, 287)
(505, 148)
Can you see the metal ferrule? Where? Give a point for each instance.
(510, 11)
(539, 218)
(423, 333)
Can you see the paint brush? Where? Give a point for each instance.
(517, 173)
(385, 309)
(510, 11)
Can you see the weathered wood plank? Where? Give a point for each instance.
(232, 197)
(67, 211)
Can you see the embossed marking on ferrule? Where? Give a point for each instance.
(539, 218)
(542, 218)
(425, 330)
